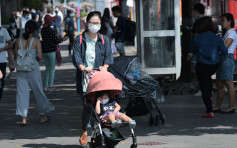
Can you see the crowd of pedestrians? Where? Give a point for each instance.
(214, 55)
(41, 34)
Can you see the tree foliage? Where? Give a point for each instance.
(33, 3)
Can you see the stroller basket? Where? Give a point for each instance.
(112, 138)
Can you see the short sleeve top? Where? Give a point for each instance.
(232, 35)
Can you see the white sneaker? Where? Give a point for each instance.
(132, 124)
(116, 123)
(198, 94)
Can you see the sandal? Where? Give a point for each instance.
(21, 124)
(83, 139)
(47, 119)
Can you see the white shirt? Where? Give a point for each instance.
(4, 37)
(232, 35)
(23, 22)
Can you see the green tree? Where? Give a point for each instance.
(33, 3)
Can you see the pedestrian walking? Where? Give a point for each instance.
(119, 30)
(24, 18)
(199, 11)
(5, 44)
(70, 29)
(207, 47)
(90, 50)
(108, 20)
(49, 42)
(224, 76)
(30, 78)
(59, 31)
(14, 33)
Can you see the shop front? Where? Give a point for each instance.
(158, 35)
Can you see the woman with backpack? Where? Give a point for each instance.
(90, 50)
(27, 54)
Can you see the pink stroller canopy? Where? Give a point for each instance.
(103, 80)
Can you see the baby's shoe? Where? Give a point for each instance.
(132, 124)
(116, 123)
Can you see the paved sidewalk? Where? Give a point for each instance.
(184, 126)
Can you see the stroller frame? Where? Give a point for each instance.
(98, 124)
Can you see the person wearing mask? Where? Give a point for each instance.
(27, 80)
(49, 42)
(17, 17)
(107, 19)
(224, 76)
(58, 29)
(119, 30)
(94, 51)
(70, 29)
(207, 47)
(199, 10)
(23, 20)
(14, 33)
(5, 44)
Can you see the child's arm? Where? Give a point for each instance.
(117, 108)
(97, 106)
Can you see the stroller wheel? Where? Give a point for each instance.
(156, 121)
(162, 118)
(151, 121)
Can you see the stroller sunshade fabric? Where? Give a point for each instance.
(104, 80)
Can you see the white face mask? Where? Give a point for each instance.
(105, 101)
(94, 28)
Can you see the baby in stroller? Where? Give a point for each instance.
(108, 109)
(105, 111)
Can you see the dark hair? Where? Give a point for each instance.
(106, 13)
(116, 9)
(25, 12)
(230, 18)
(205, 24)
(199, 7)
(49, 10)
(30, 27)
(91, 14)
(12, 20)
(103, 29)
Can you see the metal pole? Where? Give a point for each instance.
(53, 5)
(0, 14)
(78, 17)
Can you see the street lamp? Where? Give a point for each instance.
(78, 17)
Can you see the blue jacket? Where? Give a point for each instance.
(208, 47)
(103, 55)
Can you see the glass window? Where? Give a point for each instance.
(159, 52)
(158, 15)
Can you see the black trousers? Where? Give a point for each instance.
(2, 82)
(204, 73)
(85, 115)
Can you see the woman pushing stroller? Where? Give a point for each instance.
(108, 109)
(90, 50)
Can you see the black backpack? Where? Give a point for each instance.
(137, 107)
(130, 30)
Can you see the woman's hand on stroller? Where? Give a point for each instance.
(102, 68)
(88, 69)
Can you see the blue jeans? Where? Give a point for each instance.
(120, 48)
(49, 61)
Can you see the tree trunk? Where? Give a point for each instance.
(187, 21)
